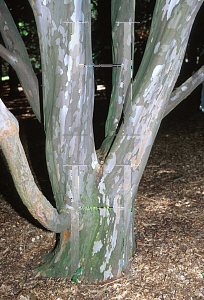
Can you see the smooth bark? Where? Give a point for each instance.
(16, 55)
(98, 189)
(31, 196)
(182, 92)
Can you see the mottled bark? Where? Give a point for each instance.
(99, 190)
(31, 196)
(16, 55)
(182, 92)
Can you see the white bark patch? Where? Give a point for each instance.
(188, 18)
(72, 146)
(69, 68)
(77, 14)
(116, 207)
(108, 204)
(137, 116)
(62, 31)
(113, 239)
(58, 71)
(66, 94)
(61, 54)
(45, 2)
(62, 118)
(69, 207)
(94, 161)
(102, 267)
(120, 266)
(102, 188)
(149, 92)
(157, 71)
(54, 27)
(111, 163)
(156, 47)
(75, 45)
(108, 273)
(184, 88)
(6, 26)
(175, 97)
(63, 113)
(66, 59)
(120, 99)
(69, 194)
(104, 213)
(97, 247)
(46, 14)
(168, 7)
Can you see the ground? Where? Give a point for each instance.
(169, 262)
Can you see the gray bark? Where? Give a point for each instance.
(95, 192)
(184, 90)
(16, 55)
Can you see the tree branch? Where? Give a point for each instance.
(32, 197)
(184, 90)
(18, 58)
(7, 55)
(68, 91)
(122, 34)
(152, 86)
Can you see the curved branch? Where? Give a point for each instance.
(7, 55)
(184, 90)
(18, 58)
(32, 197)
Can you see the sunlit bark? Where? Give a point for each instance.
(182, 92)
(95, 192)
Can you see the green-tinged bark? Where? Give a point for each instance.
(32, 197)
(97, 190)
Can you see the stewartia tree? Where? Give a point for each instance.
(94, 190)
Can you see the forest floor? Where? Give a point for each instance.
(169, 219)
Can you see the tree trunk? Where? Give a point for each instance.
(95, 192)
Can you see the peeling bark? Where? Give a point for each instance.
(95, 192)
(184, 90)
(32, 197)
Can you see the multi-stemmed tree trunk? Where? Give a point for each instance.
(94, 190)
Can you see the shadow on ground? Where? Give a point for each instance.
(33, 140)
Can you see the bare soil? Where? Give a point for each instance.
(169, 262)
